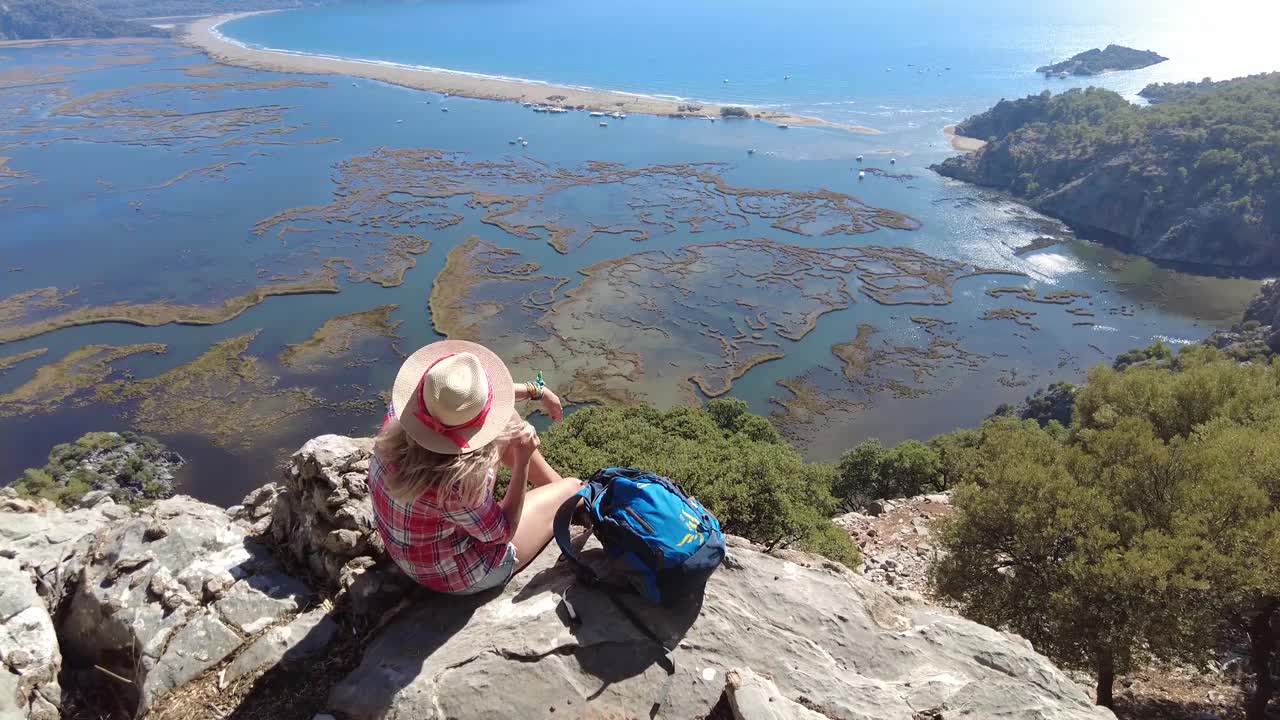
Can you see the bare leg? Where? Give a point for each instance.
(540, 471)
(538, 515)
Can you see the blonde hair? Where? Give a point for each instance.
(413, 468)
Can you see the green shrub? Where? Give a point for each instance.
(734, 462)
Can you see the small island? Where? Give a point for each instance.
(1096, 62)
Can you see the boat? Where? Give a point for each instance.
(604, 124)
(520, 139)
(859, 158)
(618, 115)
(711, 118)
(783, 127)
(444, 109)
(354, 85)
(597, 114)
(524, 143)
(751, 151)
(786, 77)
(725, 80)
(557, 110)
(511, 142)
(399, 121)
(861, 175)
(892, 161)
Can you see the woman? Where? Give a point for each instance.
(452, 421)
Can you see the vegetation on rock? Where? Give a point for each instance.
(732, 461)
(1192, 179)
(1112, 57)
(45, 19)
(133, 469)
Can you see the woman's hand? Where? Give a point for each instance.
(523, 444)
(551, 405)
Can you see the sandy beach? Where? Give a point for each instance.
(962, 143)
(203, 34)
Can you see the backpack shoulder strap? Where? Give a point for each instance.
(590, 492)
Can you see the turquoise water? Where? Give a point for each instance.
(873, 62)
(89, 212)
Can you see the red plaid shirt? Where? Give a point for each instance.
(442, 543)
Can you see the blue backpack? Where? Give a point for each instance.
(666, 542)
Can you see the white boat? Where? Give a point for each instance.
(354, 85)
(786, 77)
(725, 80)
(524, 143)
(861, 175)
(399, 121)
(597, 114)
(892, 161)
(751, 151)
(520, 139)
(711, 118)
(783, 127)
(558, 110)
(444, 109)
(618, 115)
(604, 124)
(511, 142)
(859, 158)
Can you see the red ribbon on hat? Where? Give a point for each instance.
(452, 432)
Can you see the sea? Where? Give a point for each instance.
(142, 173)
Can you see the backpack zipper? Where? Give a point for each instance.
(636, 516)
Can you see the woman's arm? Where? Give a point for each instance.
(523, 444)
(550, 401)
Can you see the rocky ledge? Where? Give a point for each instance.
(146, 607)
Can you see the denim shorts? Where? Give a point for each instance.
(497, 577)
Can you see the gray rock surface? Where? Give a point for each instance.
(850, 648)
(307, 635)
(323, 520)
(43, 539)
(29, 656)
(756, 697)
(169, 593)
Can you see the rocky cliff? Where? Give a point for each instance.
(1151, 181)
(150, 611)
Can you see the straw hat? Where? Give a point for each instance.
(453, 396)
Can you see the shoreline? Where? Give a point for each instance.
(203, 35)
(961, 142)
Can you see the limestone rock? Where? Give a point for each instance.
(308, 634)
(169, 593)
(29, 655)
(322, 519)
(755, 697)
(43, 538)
(849, 647)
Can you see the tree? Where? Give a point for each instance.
(1055, 543)
(1150, 528)
(734, 462)
(870, 472)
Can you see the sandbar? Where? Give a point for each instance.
(961, 142)
(203, 35)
